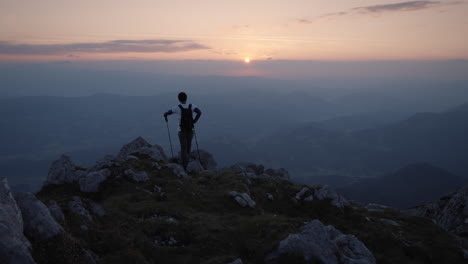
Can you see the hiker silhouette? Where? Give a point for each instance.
(186, 125)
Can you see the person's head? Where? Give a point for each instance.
(182, 97)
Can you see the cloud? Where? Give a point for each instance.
(394, 7)
(114, 46)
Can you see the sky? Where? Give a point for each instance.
(262, 30)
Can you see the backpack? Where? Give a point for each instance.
(186, 119)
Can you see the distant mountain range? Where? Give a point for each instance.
(436, 138)
(412, 185)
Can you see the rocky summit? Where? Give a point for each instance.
(137, 207)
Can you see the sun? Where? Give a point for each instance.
(247, 60)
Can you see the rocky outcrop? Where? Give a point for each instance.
(14, 247)
(91, 181)
(257, 171)
(450, 212)
(207, 160)
(325, 192)
(63, 171)
(320, 192)
(177, 170)
(142, 147)
(56, 211)
(77, 206)
(243, 199)
(136, 176)
(38, 222)
(324, 244)
(194, 167)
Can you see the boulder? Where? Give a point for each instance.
(56, 211)
(14, 246)
(257, 171)
(324, 244)
(63, 171)
(237, 261)
(133, 147)
(207, 160)
(302, 193)
(141, 146)
(136, 176)
(38, 222)
(325, 192)
(449, 212)
(194, 167)
(77, 206)
(177, 170)
(243, 199)
(107, 162)
(92, 180)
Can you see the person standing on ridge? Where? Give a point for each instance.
(186, 125)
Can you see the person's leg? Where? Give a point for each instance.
(183, 148)
(189, 142)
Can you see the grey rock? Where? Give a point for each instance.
(177, 170)
(194, 167)
(14, 246)
(326, 244)
(133, 147)
(237, 261)
(92, 180)
(107, 162)
(90, 257)
(38, 223)
(207, 160)
(56, 211)
(373, 207)
(156, 152)
(270, 196)
(136, 176)
(309, 198)
(389, 222)
(299, 196)
(325, 192)
(63, 171)
(141, 146)
(449, 212)
(77, 206)
(96, 209)
(257, 171)
(243, 199)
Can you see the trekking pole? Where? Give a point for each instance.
(170, 141)
(196, 142)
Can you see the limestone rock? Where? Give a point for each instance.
(56, 211)
(92, 180)
(450, 211)
(300, 195)
(243, 199)
(237, 261)
(77, 206)
(194, 167)
(177, 169)
(38, 223)
(325, 192)
(63, 171)
(14, 246)
(136, 176)
(107, 162)
(141, 146)
(207, 160)
(325, 244)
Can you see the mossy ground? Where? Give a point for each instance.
(210, 227)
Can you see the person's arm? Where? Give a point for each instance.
(170, 112)
(198, 112)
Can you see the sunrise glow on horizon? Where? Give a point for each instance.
(207, 30)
